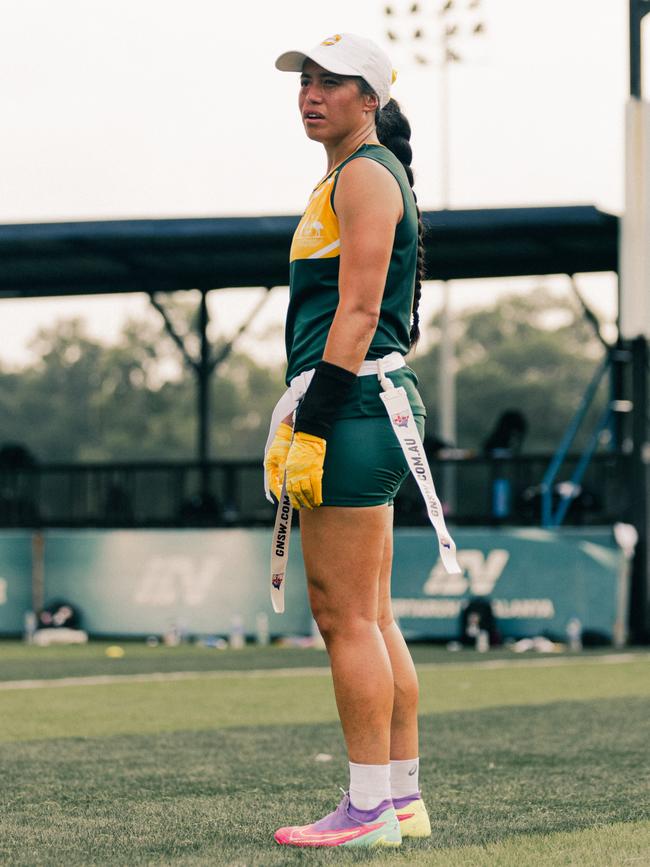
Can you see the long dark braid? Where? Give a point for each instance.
(394, 132)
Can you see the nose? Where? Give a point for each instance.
(314, 92)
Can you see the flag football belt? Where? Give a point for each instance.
(399, 412)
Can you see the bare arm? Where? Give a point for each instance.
(368, 203)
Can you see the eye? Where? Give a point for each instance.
(330, 82)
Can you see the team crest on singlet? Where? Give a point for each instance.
(317, 235)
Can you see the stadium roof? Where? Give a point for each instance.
(85, 258)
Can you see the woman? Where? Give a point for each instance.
(356, 262)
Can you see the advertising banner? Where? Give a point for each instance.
(537, 580)
(135, 582)
(15, 580)
(141, 582)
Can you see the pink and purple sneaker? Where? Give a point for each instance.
(347, 826)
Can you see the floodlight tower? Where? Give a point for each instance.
(435, 31)
(634, 312)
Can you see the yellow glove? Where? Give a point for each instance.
(304, 470)
(276, 458)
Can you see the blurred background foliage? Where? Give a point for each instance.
(82, 400)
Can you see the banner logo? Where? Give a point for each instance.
(401, 420)
(168, 581)
(480, 574)
(277, 580)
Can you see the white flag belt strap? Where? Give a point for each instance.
(399, 411)
(282, 528)
(289, 401)
(280, 550)
(401, 418)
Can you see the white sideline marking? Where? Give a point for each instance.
(167, 676)
(158, 677)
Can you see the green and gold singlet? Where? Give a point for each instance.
(314, 294)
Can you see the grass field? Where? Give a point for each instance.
(544, 762)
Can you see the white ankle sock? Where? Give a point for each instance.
(369, 785)
(404, 777)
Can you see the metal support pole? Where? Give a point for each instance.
(206, 363)
(620, 358)
(38, 571)
(447, 426)
(447, 400)
(447, 351)
(638, 10)
(445, 145)
(446, 373)
(640, 479)
(634, 318)
(203, 374)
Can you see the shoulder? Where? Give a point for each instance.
(366, 168)
(367, 182)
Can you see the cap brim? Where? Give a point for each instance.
(292, 61)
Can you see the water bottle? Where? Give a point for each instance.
(237, 638)
(483, 641)
(30, 627)
(574, 634)
(172, 636)
(182, 631)
(501, 498)
(262, 629)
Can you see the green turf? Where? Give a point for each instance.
(19, 661)
(214, 797)
(612, 845)
(231, 701)
(520, 766)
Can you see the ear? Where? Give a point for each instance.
(371, 102)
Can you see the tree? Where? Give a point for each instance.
(134, 400)
(534, 353)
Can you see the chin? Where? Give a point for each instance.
(314, 135)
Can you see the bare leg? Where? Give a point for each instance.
(404, 722)
(343, 549)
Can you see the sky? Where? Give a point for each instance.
(161, 108)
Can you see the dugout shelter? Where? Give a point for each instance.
(208, 254)
(157, 256)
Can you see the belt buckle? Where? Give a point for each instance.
(386, 383)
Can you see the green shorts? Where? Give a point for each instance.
(364, 462)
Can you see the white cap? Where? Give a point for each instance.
(347, 54)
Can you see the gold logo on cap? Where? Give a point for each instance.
(332, 40)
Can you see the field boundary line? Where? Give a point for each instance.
(171, 676)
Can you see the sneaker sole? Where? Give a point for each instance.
(382, 837)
